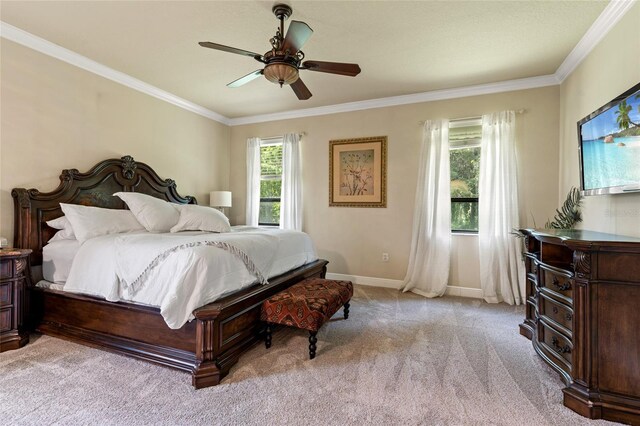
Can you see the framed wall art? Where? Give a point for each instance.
(358, 172)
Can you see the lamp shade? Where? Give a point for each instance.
(220, 198)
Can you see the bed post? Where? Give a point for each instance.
(206, 372)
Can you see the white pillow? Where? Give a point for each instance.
(65, 230)
(88, 222)
(154, 214)
(61, 236)
(201, 218)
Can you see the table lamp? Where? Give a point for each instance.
(220, 200)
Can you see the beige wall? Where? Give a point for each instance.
(353, 239)
(69, 118)
(56, 116)
(609, 70)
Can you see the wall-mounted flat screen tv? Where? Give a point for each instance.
(610, 146)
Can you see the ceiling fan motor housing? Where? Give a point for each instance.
(282, 11)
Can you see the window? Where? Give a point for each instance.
(270, 182)
(464, 158)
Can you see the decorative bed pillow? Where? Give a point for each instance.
(60, 236)
(88, 222)
(201, 218)
(154, 214)
(65, 230)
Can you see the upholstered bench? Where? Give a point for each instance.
(307, 305)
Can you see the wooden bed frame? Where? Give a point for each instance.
(206, 347)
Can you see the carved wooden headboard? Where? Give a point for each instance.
(93, 188)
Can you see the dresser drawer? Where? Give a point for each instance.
(555, 342)
(556, 311)
(557, 283)
(5, 293)
(5, 319)
(6, 269)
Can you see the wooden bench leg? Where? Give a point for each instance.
(312, 344)
(346, 310)
(267, 337)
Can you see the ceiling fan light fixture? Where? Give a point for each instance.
(281, 73)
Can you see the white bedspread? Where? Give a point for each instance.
(186, 278)
(57, 258)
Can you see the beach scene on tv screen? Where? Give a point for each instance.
(611, 146)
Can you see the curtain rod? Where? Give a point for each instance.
(455, 120)
(270, 138)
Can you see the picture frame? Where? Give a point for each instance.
(358, 172)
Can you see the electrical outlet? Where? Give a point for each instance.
(385, 257)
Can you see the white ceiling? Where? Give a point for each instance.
(403, 47)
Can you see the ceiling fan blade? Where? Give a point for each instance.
(227, 49)
(350, 70)
(297, 35)
(247, 78)
(301, 90)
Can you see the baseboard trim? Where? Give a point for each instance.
(474, 293)
(368, 281)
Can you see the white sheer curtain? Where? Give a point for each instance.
(291, 195)
(501, 269)
(253, 181)
(428, 271)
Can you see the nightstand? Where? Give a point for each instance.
(14, 279)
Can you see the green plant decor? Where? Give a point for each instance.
(569, 214)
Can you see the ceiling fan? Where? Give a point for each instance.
(284, 61)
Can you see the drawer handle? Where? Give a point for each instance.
(555, 310)
(560, 349)
(562, 287)
(569, 317)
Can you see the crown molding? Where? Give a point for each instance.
(435, 95)
(609, 17)
(41, 45)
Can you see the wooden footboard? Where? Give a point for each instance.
(207, 347)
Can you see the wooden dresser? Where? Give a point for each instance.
(14, 277)
(583, 317)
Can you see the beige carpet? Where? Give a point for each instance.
(399, 359)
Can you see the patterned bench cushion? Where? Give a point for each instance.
(308, 304)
